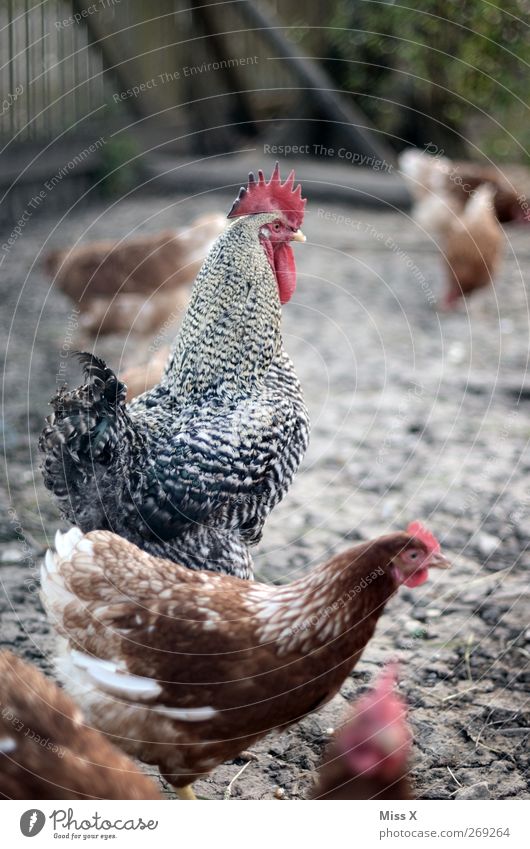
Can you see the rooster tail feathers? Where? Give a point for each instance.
(81, 436)
(96, 371)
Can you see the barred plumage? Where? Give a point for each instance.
(190, 470)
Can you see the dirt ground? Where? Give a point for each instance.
(414, 415)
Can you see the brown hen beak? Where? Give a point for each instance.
(438, 561)
(298, 236)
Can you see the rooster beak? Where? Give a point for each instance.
(438, 561)
(298, 236)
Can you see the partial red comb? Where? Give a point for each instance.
(416, 529)
(388, 678)
(377, 712)
(260, 196)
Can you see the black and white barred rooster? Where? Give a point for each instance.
(191, 469)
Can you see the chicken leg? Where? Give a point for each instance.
(186, 792)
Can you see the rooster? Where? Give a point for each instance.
(47, 751)
(191, 469)
(368, 757)
(186, 669)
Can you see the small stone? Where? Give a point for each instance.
(414, 629)
(456, 353)
(279, 793)
(433, 613)
(279, 746)
(487, 544)
(476, 791)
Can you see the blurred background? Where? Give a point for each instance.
(200, 78)
(126, 130)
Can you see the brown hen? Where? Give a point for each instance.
(119, 285)
(368, 757)
(472, 248)
(186, 668)
(47, 751)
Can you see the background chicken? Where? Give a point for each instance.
(461, 211)
(133, 283)
(191, 469)
(368, 757)
(473, 247)
(46, 750)
(140, 378)
(161, 656)
(428, 180)
(441, 188)
(134, 315)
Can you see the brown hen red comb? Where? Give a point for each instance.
(384, 709)
(260, 196)
(416, 529)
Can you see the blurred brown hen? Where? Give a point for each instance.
(46, 750)
(472, 247)
(131, 283)
(368, 757)
(441, 189)
(141, 378)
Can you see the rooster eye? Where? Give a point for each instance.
(276, 225)
(413, 555)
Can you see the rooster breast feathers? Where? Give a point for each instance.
(224, 464)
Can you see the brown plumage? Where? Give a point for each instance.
(466, 177)
(47, 751)
(368, 757)
(189, 668)
(442, 188)
(472, 248)
(138, 315)
(141, 378)
(98, 275)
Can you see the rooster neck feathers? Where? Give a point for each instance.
(231, 332)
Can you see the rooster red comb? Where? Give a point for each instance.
(416, 529)
(260, 196)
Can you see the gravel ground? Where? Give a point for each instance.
(415, 415)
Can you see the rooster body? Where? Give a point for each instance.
(191, 469)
